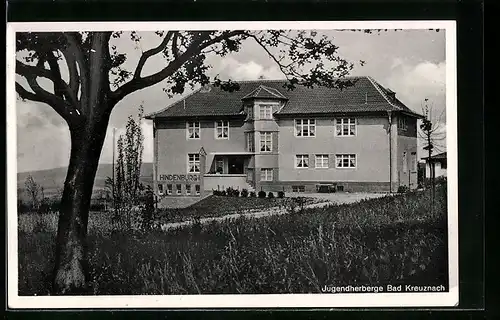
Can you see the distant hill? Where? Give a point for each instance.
(52, 180)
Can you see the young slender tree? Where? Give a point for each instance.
(432, 136)
(98, 80)
(33, 191)
(126, 185)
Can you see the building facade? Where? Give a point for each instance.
(265, 137)
(440, 164)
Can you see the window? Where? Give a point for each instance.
(179, 188)
(305, 127)
(250, 113)
(345, 127)
(160, 189)
(251, 141)
(345, 161)
(298, 189)
(193, 130)
(302, 161)
(222, 130)
(405, 162)
(321, 161)
(193, 162)
(266, 174)
(266, 140)
(402, 123)
(197, 189)
(265, 111)
(169, 189)
(188, 189)
(414, 161)
(219, 166)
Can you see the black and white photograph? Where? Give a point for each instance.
(232, 164)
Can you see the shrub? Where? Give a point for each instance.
(252, 194)
(437, 181)
(270, 195)
(262, 194)
(44, 206)
(217, 193)
(148, 210)
(244, 193)
(231, 192)
(403, 189)
(281, 194)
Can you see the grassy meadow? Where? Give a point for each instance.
(394, 239)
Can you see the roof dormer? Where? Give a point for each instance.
(263, 92)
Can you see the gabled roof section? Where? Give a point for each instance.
(264, 92)
(390, 97)
(364, 95)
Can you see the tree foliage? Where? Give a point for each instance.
(302, 56)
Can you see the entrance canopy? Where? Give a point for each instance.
(226, 162)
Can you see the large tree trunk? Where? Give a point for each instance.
(71, 267)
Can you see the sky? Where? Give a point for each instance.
(409, 62)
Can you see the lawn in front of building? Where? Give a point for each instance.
(397, 239)
(218, 206)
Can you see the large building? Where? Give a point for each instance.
(265, 137)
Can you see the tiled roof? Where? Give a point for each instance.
(365, 95)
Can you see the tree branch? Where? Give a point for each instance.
(40, 95)
(74, 49)
(224, 35)
(146, 55)
(200, 42)
(175, 49)
(61, 88)
(140, 83)
(74, 80)
(282, 68)
(26, 70)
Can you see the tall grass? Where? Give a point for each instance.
(393, 240)
(99, 222)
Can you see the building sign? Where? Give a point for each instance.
(179, 177)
